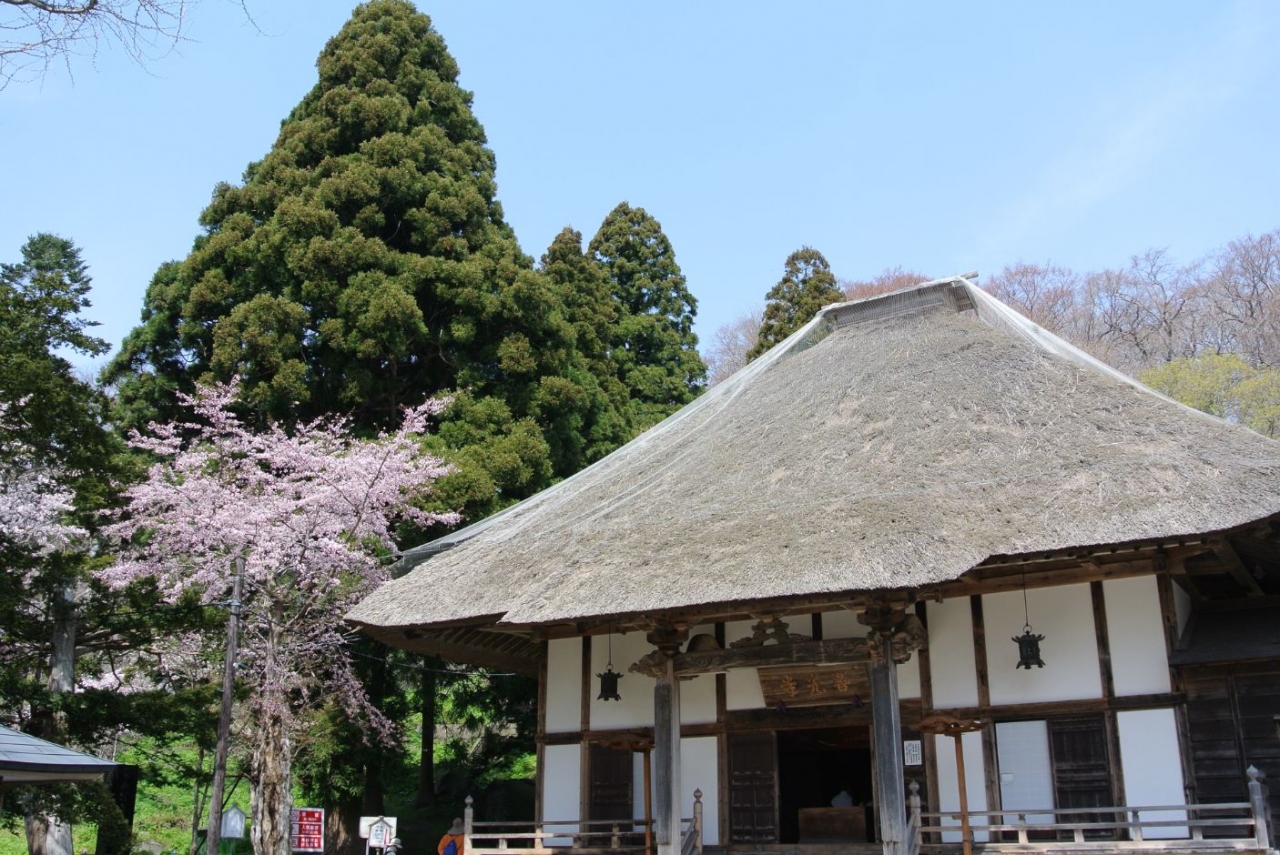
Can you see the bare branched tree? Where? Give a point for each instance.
(731, 344)
(890, 279)
(36, 34)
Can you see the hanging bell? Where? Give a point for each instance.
(609, 684)
(1028, 649)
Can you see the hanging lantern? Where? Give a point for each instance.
(609, 679)
(1029, 649)
(609, 684)
(1028, 643)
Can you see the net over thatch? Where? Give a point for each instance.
(894, 442)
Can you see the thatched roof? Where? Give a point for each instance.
(894, 442)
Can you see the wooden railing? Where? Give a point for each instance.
(590, 837)
(691, 840)
(1235, 826)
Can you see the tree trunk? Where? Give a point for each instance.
(426, 794)
(272, 772)
(340, 825)
(374, 802)
(45, 834)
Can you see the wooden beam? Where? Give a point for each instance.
(840, 651)
(990, 770)
(1103, 639)
(1089, 571)
(1237, 569)
(584, 724)
(926, 707)
(1043, 709)
(540, 755)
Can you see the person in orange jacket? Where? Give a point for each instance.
(452, 843)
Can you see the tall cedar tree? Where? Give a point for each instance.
(806, 286)
(654, 348)
(609, 420)
(364, 264)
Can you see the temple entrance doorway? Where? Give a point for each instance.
(814, 767)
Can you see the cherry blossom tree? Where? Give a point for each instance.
(301, 515)
(34, 505)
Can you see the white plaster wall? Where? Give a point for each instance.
(1152, 766)
(1064, 616)
(561, 785)
(1181, 608)
(1135, 630)
(909, 679)
(636, 707)
(975, 781)
(564, 685)
(951, 659)
(742, 685)
(698, 771)
(698, 696)
(838, 624)
(1026, 772)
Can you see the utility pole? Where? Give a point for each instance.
(213, 834)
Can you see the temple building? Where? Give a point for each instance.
(922, 572)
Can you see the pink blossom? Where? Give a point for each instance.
(308, 511)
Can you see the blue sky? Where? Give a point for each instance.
(942, 137)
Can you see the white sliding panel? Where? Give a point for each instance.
(1026, 772)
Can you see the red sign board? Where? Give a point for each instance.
(306, 832)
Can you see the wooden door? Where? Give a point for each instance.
(612, 773)
(1232, 722)
(753, 788)
(1081, 771)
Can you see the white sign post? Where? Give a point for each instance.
(378, 831)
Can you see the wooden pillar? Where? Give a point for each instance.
(666, 740)
(886, 730)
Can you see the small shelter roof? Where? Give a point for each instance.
(26, 759)
(891, 443)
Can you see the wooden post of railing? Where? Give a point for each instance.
(615, 842)
(1135, 830)
(697, 821)
(1022, 828)
(468, 816)
(1261, 810)
(913, 816)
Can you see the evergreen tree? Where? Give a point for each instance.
(60, 630)
(654, 348)
(364, 264)
(607, 420)
(806, 286)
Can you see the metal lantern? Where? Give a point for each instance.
(609, 684)
(609, 679)
(1028, 643)
(1029, 649)
(233, 823)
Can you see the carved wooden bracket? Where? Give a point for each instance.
(839, 651)
(770, 629)
(904, 639)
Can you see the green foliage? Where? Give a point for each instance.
(653, 345)
(807, 284)
(61, 417)
(1224, 385)
(364, 264)
(595, 412)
